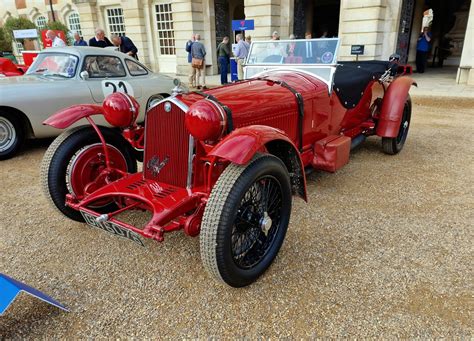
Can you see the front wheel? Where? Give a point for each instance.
(73, 162)
(245, 220)
(12, 135)
(393, 145)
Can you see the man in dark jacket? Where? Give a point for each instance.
(100, 40)
(189, 44)
(125, 45)
(223, 57)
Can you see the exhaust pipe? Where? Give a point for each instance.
(356, 141)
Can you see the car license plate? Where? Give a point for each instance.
(113, 228)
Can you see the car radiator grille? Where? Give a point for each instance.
(166, 145)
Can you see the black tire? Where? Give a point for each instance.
(393, 145)
(61, 152)
(12, 135)
(235, 197)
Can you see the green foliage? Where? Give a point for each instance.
(5, 41)
(16, 24)
(57, 25)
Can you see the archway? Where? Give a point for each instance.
(318, 17)
(225, 12)
(447, 21)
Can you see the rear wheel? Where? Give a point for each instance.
(393, 145)
(245, 220)
(73, 163)
(12, 135)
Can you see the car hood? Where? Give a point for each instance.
(21, 80)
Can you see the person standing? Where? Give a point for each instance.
(223, 57)
(78, 41)
(198, 62)
(125, 45)
(192, 75)
(422, 49)
(241, 53)
(56, 41)
(100, 40)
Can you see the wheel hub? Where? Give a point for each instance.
(7, 134)
(405, 125)
(266, 223)
(87, 171)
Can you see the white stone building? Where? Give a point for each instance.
(160, 28)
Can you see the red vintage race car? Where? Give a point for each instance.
(225, 163)
(9, 69)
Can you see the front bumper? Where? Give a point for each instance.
(172, 207)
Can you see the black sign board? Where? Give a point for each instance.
(357, 49)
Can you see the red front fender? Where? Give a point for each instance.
(66, 117)
(241, 145)
(392, 107)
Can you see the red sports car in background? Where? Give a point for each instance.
(226, 163)
(9, 69)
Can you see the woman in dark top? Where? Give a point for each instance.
(223, 56)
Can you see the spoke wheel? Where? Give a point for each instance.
(257, 222)
(245, 220)
(393, 145)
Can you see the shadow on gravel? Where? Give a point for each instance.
(33, 145)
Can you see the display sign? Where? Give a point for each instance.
(25, 34)
(242, 25)
(234, 47)
(48, 42)
(357, 49)
(10, 288)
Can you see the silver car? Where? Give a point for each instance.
(61, 77)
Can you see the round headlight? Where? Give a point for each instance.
(205, 120)
(120, 110)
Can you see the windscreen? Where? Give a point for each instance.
(298, 51)
(56, 65)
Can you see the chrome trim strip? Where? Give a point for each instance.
(174, 100)
(190, 162)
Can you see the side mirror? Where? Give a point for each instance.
(84, 75)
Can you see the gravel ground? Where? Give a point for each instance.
(382, 249)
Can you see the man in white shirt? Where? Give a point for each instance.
(241, 53)
(57, 42)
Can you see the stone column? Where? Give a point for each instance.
(188, 18)
(362, 22)
(466, 68)
(135, 28)
(267, 16)
(88, 14)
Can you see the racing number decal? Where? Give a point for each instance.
(110, 86)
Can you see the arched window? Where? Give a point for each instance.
(74, 22)
(40, 22)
